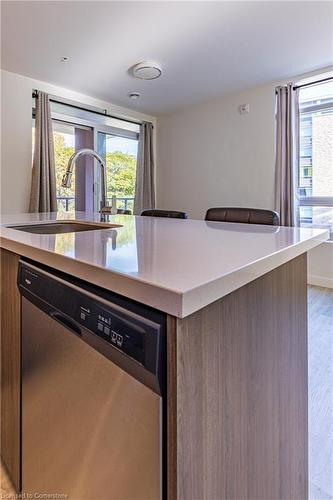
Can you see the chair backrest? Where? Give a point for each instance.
(243, 215)
(173, 214)
(122, 211)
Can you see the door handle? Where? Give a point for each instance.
(65, 321)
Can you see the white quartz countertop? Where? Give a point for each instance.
(177, 266)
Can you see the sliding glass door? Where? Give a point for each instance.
(121, 155)
(64, 147)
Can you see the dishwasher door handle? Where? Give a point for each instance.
(65, 321)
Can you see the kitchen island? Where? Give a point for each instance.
(236, 306)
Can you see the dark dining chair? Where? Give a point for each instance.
(123, 211)
(243, 215)
(173, 214)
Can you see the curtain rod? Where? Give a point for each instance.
(313, 83)
(307, 84)
(103, 113)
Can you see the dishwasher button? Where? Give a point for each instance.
(83, 316)
(107, 331)
(100, 327)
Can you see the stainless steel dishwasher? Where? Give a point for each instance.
(93, 380)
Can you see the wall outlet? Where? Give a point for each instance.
(244, 109)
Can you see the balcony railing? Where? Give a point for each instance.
(125, 202)
(67, 203)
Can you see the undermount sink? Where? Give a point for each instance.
(68, 226)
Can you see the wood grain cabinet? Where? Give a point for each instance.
(238, 393)
(10, 366)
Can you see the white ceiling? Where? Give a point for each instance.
(205, 48)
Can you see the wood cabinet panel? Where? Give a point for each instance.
(241, 397)
(171, 408)
(10, 366)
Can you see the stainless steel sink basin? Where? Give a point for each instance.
(68, 226)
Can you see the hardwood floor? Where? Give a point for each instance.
(320, 393)
(320, 397)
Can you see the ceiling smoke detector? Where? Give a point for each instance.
(134, 95)
(147, 70)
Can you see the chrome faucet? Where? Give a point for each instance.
(67, 178)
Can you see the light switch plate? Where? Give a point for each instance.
(244, 109)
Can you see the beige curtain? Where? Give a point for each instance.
(145, 183)
(43, 197)
(286, 154)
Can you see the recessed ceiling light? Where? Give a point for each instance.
(134, 95)
(64, 59)
(147, 70)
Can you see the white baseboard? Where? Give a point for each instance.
(320, 281)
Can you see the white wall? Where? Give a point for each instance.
(210, 155)
(320, 265)
(16, 135)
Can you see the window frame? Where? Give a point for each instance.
(312, 201)
(107, 129)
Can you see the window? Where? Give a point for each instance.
(114, 139)
(64, 147)
(315, 180)
(120, 154)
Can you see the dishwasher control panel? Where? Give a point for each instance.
(124, 331)
(138, 336)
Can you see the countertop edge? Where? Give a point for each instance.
(210, 292)
(171, 302)
(127, 287)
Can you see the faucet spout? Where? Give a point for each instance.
(67, 178)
